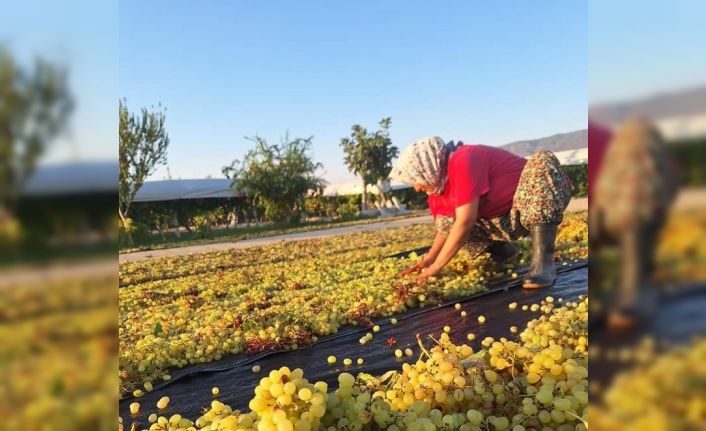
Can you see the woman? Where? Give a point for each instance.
(481, 197)
(630, 216)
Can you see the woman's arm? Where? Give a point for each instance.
(466, 216)
(429, 256)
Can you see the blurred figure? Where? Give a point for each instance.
(635, 184)
(58, 200)
(598, 140)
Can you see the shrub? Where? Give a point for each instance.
(130, 231)
(690, 156)
(349, 207)
(10, 232)
(579, 179)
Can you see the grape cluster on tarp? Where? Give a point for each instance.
(190, 388)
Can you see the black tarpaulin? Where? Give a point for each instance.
(190, 389)
(679, 318)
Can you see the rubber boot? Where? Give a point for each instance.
(597, 240)
(542, 272)
(503, 252)
(636, 298)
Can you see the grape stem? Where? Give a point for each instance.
(421, 346)
(577, 417)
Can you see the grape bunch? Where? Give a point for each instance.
(567, 326)
(516, 385)
(661, 391)
(285, 401)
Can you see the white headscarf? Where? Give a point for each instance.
(424, 162)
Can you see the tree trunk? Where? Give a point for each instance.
(175, 222)
(123, 219)
(382, 194)
(122, 215)
(364, 198)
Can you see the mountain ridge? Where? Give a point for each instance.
(558, 142)
(666, 104)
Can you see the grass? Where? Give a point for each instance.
(27, 256)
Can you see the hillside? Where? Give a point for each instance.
(683, 103)
(559, 142)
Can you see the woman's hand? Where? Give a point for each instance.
(466, 216)
(417, 267)
(428, 258)
(427, 272)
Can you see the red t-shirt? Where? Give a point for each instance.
(479, 171)
(598, 140)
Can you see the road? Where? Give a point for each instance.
(578, 204)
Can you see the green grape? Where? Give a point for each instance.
(346, 380)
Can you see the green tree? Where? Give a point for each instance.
(370, 155)
(35, 104)
(143, 146)
(277, 177)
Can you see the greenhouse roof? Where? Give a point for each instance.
(168, 190)
(354, 188)
(573, 157)
(73, 178)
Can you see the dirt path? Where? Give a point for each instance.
(52, 273)
(687, 199)
(579, 204)
(205, 248)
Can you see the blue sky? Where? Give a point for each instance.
(637, 48)
(483, 72)
(81, 36)
(472, 70)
